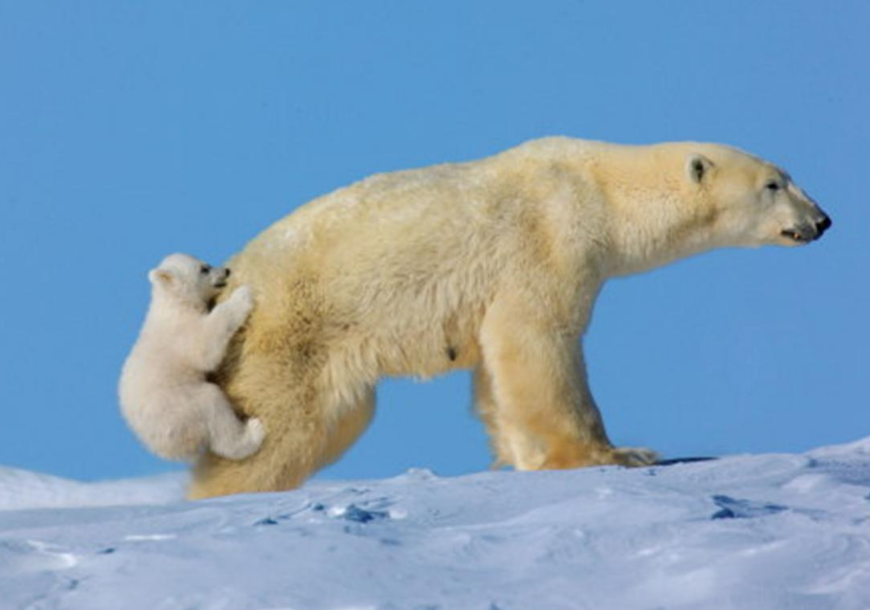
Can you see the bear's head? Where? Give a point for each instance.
(188, 280)
(753, 202)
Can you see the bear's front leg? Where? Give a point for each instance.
(541, 410)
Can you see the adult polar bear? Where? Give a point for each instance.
(492, 265)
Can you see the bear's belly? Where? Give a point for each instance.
(428, 359)
(420, 349)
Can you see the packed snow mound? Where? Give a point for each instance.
(747, 532)
(21, 489)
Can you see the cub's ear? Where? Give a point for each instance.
(697, 167)
(163, 277)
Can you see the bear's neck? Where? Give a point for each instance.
(652, 230)
(655, 215)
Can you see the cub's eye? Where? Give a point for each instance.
(204, 269)
(772, 186)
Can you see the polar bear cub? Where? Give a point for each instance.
(165, 395)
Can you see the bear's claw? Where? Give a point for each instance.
(634, 457)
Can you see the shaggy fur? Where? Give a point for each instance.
(165, 397)
(492, 265)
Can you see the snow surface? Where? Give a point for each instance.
(748, 532)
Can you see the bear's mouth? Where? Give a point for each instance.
(794, 235)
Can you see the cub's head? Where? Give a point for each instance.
(188, 280)
(752, 202)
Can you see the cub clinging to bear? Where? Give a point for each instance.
(165, 396)
(491, 265)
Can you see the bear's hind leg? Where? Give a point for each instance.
(351, 421)
(294, 416)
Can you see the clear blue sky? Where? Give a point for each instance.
(129, 130)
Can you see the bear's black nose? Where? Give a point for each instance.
(823, 225)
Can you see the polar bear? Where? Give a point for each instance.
(164, 394)
(490, 265)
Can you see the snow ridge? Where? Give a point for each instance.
(748, 532)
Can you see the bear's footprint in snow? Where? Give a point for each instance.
(732, 508)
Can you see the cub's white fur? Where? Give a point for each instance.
(165, 396)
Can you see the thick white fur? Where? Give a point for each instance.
(164, 394)
(492, 265)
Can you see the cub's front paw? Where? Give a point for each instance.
(243, 297)
(240, 304)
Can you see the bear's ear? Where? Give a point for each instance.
(163, 277)
(697, 167)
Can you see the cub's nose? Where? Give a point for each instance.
(823, 225)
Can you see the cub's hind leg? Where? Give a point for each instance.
(228, 436)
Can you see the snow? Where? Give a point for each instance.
(750, 532)
(20, 489)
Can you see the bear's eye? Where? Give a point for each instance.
(204, 269)
(772, 186)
